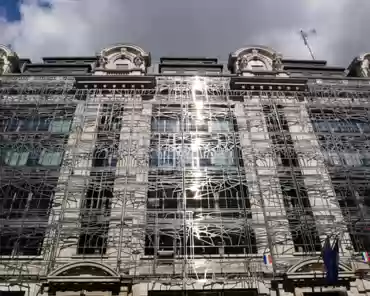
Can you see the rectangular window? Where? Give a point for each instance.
(163, 158)
(14, 158)
(12, 293)
(258, 67)
(21, 200)
(14, 125)
(364, 126)
(60, 126)
(26, 242)
(365, 159)
(321, 126)
(122, 66)
(351, 159)
(223, 158)
(344, 126)
(165, 125)
(28, 124)
(220, 126)
(50, 158)
(168, 72)
(192, 72)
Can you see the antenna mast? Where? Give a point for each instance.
(305, 40)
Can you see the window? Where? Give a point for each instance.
(351, 159)
(256, 65)
(364, 126)
(165, 125)
(168, 72)
(220, 126)
(163, 158)
(321, 126)
(50, 158)
(192, 72)
(26, 242)
(223, 158)
(365, 159)
(27, 124)
(122, 66)
(14, 158)
(12, 293)
(60, 126)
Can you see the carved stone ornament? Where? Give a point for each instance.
(103, 61)
(243, 63)
(365, 67)
(124, 52)
(5, 64)
(277, 65)
(138, 60)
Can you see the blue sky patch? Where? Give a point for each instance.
(10, 10)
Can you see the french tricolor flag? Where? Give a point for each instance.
(365, 256)
(267, 259)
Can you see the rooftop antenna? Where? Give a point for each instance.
(305, 35)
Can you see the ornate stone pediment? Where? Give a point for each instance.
(254, 58)
(124, 57)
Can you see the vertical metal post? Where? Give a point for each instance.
(305, 40)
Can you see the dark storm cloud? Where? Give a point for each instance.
(192, 27)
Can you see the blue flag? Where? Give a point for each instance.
(331, 261)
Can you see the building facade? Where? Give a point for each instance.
(121, 176)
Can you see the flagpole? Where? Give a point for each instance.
(305, 40)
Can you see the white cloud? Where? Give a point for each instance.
(191, 27)
(69, 27)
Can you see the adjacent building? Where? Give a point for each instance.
(188, 176)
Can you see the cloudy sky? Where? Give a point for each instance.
(38, 28)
